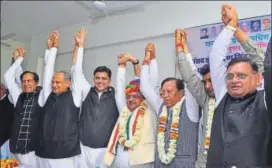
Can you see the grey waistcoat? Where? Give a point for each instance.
(186, 145)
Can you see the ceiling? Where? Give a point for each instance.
(27, 18)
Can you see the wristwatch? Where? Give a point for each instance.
(137, 62)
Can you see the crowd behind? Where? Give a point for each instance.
(218, 120)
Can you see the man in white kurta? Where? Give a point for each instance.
(55, 88)
(99, 112)
(191, 112)
(132, 142)
(23, 131)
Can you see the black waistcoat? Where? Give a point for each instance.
(240, 133)
(6, 119)
(98, 118)
(59, 137)
(15, 145)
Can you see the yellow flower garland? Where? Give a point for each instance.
(135, 139)
(167, 158)
(9, 163)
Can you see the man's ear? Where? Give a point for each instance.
(259, 78)
(68, 83)
(181, 92)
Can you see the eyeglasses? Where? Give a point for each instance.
(230, 76)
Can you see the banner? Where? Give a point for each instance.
(201, 39)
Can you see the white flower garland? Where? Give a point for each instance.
(135, 139)
(209, 124)
(167, 158)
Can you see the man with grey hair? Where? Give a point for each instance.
(24, 97)
(58, 144)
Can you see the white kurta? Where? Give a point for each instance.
(122, 158)
(50, 57)
(12, 79)
(4, 151)
(155, 101)
(90, 157)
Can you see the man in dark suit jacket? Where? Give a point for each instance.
(268, 90)
(6, 115)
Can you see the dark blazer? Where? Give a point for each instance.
(6, 119)
(268, 91)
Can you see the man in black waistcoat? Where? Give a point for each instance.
(26, 113)
(59, 145)
(99, 112)
(268, 91)
(6, 115)
(241, 126)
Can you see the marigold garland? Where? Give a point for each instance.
(9, 163)
(167, 158)
(209, 124)
(131, 142)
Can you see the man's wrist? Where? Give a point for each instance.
(145, 62)
(122, 65)
(80, 45)
(233, 23)
(231, 27)
(135, 62)
(55, 45)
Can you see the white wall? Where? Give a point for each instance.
(7, 53)
(131, 32)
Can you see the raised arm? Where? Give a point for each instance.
(154, 72)
(19, 71)
(254, 52)
(146, 87)
(77, 61)
(219, 51)
(10, 76)
(120, 83)
(191, 103)
(187, 70)
(76, 70)
(50, 57)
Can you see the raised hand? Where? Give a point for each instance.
(19, 52)
(178, 40)
(122, 59)
(15, 54)
(55, 39)
(22, 51)
(151, 49)
(184, 41)
(149, 52)
(80, 37)
(50, 40)
(229, 15)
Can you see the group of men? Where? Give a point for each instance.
(67, 123)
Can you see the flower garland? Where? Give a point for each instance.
(209, 124)
(124, 139)
(167, 158)
(9, 163)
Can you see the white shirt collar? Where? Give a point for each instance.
(3, 96)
